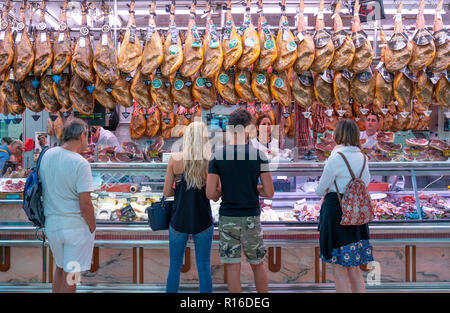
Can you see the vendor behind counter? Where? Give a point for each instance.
(15, 149)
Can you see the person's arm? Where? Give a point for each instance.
(266, 190)
(327, 179)
(213, 189)
(87, 209)
(168, 181)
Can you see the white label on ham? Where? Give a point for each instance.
(2, 35)
(61, 37)
(18, 37)
(82, 42)
(104, 39)
(43, 36)
(11, 74)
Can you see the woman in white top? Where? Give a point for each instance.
(345, 247)
(264, 140)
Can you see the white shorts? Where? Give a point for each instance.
(72, 248)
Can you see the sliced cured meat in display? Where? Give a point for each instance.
(83, 54)
(130, 53)
(363, 87)
(62, 44)
(250, 40)
(138, 125)
(411, 154)
(121, 92)
(47, 94)
(42, 46)
(413, 142)
(341, 88)
(442, 91)
(261, 86)
(381, 157)
(344, 49)
(231, 42)
(324, 47)
(383, 79)
(439, 145)
(363, 49)
(441, 58)
(30, 95)
(280, 88)
(436, 155)
(182, 91)
(6, 40)
(106, 62)
(61, 91)
(204, 92)
(399, 48)
(225, 85)
(23, 49)
(153, 122)
(388, 146)
(140, 89)
(193, 50)
(268, 50)
(403, 90)
(286, 46)
(423, 44)
(82, 100)
(303, 89)
(212, 49)
(385, 137)
(167, 124)
(102, 95)
(160, 92)
(323, 89)
(243, 85)
(11, 97)
(423, 89)
(132, 148)
(153, 53)
(305, 44)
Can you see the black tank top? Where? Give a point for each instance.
(191, 213)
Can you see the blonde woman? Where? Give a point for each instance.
(185, 180)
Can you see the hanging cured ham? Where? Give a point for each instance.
(61, 91)
(268, 50)
(383, 79)
(30, 95)
(280, 88)
(243, 85)
(6, 41)
(305, 44)
(167, 124)
(11, 97)
(403, 91)
(423, 45)
(261, 86)
(181, 122)
(204, 92)
(341, 88)
(363, 49)
(153, 53)
(47, 94)
(399, 48)
(212, 49)
(62, 45)
(224, 83)
(140, 89)
(286, 46)
(130, 53)
(181, 91)
(153, 122)
(442, 91)
(173, 50)
(23, 49)
(42, 46)
(232, 42)
(344, 49)
(441, 59)
(160, 92)
(102, 95)
(193, 50)
(323, 89)
(363, 87)
(82, 100)
(423, 89)
(83, 54)
(303, 89)
(250, 40)
(105, 58)
(121, 92)
(324, 47)
(138, 124)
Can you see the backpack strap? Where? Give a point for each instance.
(3, 150)
(348, 165)
(38, 163)
(364, 165)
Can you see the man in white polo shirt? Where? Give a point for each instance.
(370, 134)
(103, 137)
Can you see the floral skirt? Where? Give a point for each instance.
(354, 254)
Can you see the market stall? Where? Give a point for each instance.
(145, 71)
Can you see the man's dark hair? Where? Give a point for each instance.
(240, 117)
(374, 114)
(7, 140)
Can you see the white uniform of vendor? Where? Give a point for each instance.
(106, 138)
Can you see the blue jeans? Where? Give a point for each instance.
(177, 246)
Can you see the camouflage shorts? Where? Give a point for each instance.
(237, 232)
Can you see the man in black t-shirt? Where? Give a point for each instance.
(233, 173)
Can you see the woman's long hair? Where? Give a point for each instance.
(196, 155)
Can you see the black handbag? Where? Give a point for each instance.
(159, 214)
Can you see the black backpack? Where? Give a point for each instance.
(32, 196)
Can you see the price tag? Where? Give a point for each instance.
(61, 37)
(104, 39)
(43, 36)
(447, 153)
(82, 42)
(18, 37)
(2, 35)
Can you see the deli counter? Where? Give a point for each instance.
(410, 233)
